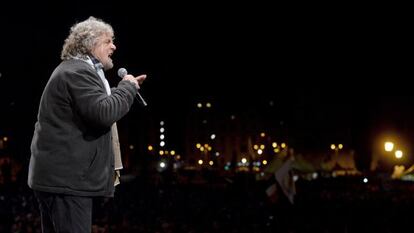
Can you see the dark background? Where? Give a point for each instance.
(329, 70)
(329, 73)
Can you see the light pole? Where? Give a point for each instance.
(389, 148)
(336, 148)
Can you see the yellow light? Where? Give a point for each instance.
(264, 162)
(198, 145)
(161, 152)
(333, 147)
(256, 147)
(200, 161)
(211, 163)
(283, 145)
(199, 105)
(172, 152)
(150, 148)
(340, 146)
(244, 160)
(262, 147)
(262, 135)
(274, 145)
(398, 154)
(388, 146)
(208, 105)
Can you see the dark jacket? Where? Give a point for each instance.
(71, 150)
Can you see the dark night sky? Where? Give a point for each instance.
(310, 61)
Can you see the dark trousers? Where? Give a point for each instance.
(64, 213)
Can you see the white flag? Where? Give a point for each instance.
(285, 180)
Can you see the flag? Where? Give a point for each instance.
(285, 180)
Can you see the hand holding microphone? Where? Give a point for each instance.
(123, 73)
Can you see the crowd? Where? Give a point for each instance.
(162, 203)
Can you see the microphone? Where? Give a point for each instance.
(121, 73)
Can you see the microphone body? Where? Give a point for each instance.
(121, 73)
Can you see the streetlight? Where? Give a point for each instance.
(398, 154)
(336, 149)
(388, 146)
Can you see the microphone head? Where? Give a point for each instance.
(122, 72)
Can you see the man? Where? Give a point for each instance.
(74, 150)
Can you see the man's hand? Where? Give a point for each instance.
(135, 80)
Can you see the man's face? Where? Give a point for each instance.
(103, 50)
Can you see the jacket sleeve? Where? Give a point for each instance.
(92, 102)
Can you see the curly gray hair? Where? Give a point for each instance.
(83, 37)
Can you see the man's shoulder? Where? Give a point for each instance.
(73, 67)
(74, 64)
